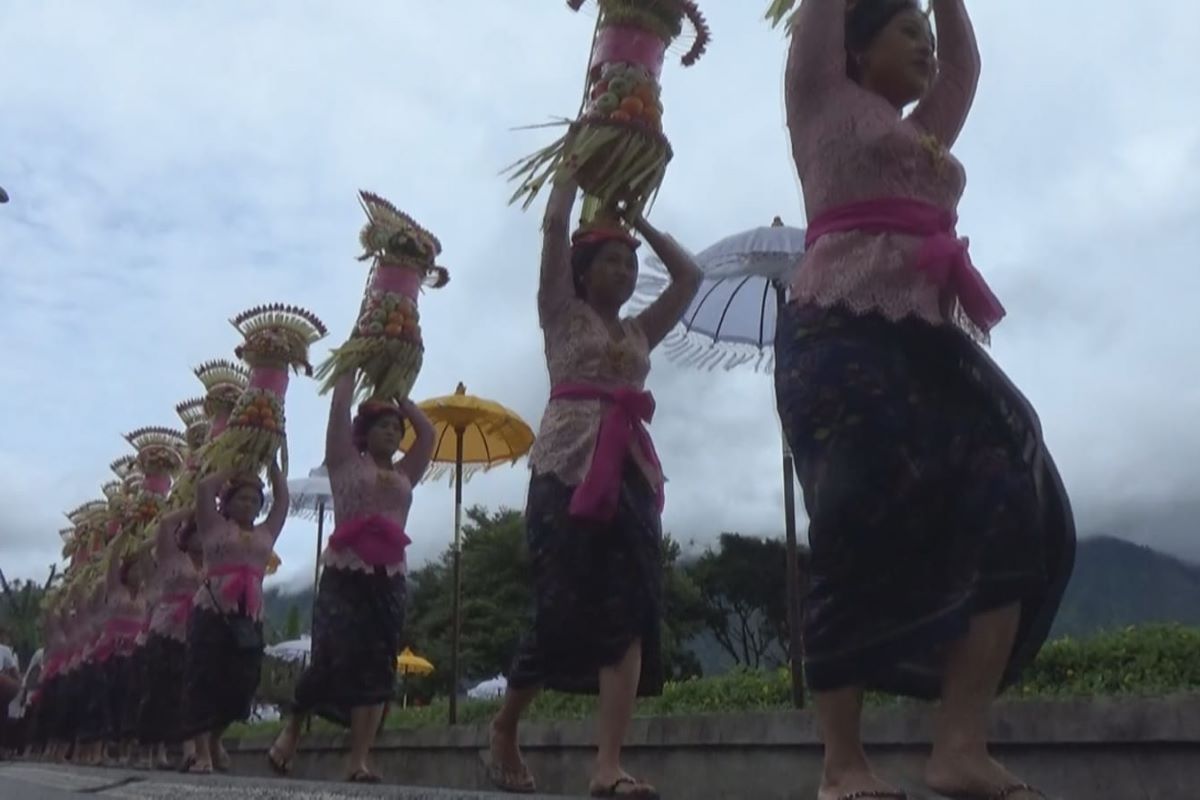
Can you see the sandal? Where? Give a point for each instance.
(518, 781)
(640, 791)
(280, 766)
(1002, 793)
(875, 794)
(363, 776)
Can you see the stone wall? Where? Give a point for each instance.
(1104, 749)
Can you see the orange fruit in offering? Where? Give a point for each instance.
(392, 330)
(632, 106)
(645, 93)
(620, 116)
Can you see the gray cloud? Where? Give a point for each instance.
(169, 167)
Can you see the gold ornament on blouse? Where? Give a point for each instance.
(938, 154)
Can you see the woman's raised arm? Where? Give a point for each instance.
(943, 111)
(555, 286)
(816, 63)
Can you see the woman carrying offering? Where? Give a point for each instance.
(359, 614)
(596, 493)
(176, 580)
(224, 634)
(941, 535)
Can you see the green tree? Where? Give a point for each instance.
(21, 612)
(684, 615)
(743, 587)
(496, 598)
(292, 629)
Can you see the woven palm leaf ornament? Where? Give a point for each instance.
(386, 350)
(616, 149)
(196, 424)
(224, 381)
(160, 456)
(88, 526)
(277, 339)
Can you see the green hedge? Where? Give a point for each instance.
(1148, 660)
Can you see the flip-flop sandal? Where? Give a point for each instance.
(640, 791)
(194, 770)
(511, 781)
(281, 767)
(1003, 793)
(363, 776)
(874, 794)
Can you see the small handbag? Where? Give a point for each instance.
(243, 631)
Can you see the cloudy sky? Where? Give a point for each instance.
(172, 164)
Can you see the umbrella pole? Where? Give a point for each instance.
(456, 612)
(795, 632)
(317, 564)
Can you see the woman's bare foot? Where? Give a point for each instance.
(221, 760)
(835, 785)
(974, 773)
(507, 769)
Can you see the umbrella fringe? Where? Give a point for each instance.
(691, 349)
(445, 471)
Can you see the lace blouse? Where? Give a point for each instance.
(226, 547)
(359, 487)
(176, 581)
(850, 145)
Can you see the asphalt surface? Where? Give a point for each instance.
(29, 781)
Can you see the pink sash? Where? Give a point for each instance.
(943, 257)
(599, 495)
(244, 583)
(181, 608)
(375, 539)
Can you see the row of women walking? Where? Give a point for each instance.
(941, 536)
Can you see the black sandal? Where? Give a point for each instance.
(875, 794)
(999, 794)
(364, 776)
(640, 791)
(511, 781)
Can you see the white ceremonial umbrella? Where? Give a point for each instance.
(294, 650)
(731, 322)
(311, 498)
(489, 689)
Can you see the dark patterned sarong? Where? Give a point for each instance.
(136, 690)
(118, 672)
(597, 589)
(219, 678)
(930, 494)
(159, 713)
(92, 696)
(64, 712)
(357, 625)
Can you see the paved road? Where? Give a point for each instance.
(56, 782)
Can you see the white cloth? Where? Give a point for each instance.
(10, 663)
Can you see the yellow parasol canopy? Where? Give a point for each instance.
(491, 433)
(409, 663)
(473, 435)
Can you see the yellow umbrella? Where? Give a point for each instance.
(476, 434)
(409, 663)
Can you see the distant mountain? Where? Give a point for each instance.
(1117, 583)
